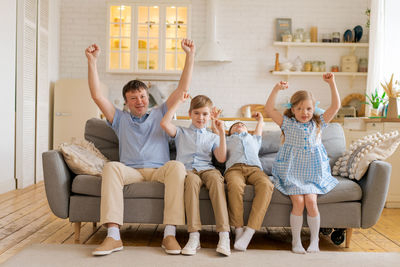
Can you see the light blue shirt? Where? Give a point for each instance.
(142, 141)
(194, 147)
(243, 148)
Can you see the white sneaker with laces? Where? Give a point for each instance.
(224, 246)
(191, 246)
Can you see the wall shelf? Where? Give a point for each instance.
(311, 73)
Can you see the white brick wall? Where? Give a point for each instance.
(246, 31)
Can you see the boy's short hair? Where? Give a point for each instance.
(134, 85)
(230, 129)
(200, 101)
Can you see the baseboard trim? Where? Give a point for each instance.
(392, 204)
(6, 186)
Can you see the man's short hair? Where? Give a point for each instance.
(134, 85)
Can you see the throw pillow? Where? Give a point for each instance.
(82, 157)
(355, 161)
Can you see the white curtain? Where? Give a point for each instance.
(376, 46)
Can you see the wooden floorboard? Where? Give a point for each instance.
(25, 219)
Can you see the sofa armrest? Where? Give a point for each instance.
(375, 186)
(57, 182)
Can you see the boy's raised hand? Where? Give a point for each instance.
(215, 113)
(220, 127)
(188, 46)
(329, 77)
(282, 85)
(92, 52)
(258, 116)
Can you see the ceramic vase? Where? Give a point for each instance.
(393, 108)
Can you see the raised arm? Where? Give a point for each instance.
(186, 77)
(270, 110)
(215, 113)
(106, 107)
(260, 123)
(166, 121)
(335, 99)
(220, 151)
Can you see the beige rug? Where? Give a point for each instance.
(80, 255)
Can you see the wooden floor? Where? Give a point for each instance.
(25, 218)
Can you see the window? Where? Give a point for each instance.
(145, 38)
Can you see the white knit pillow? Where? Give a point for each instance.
(82, 157)
(355, 161)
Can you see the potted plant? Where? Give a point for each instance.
(393, 93)
(375, 101)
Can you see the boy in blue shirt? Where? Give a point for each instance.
(195, 146)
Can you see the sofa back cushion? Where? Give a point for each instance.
(103, 137)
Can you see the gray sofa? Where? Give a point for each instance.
(349, 205)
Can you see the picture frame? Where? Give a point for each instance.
(282, 25)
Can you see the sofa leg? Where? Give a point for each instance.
(77, 231)
(349, 232)
(94, 226)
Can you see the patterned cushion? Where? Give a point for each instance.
(82, 157)
(355, 161)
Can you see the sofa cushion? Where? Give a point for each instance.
(346, 190)
(103, 137)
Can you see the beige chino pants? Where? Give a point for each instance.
(236, 178)
(214, 182)
(116, 175)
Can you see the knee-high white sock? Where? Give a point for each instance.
(244, 240)
(296, 222)
(113, 232)
(238, 233)
(169, 230)
(313, 223)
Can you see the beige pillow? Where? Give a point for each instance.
(82, 157)
(355, 161)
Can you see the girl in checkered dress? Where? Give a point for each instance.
(301, 168)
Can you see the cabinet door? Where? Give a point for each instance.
(393, 198)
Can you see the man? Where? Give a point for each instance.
(144, 153)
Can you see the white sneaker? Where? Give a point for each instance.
(191, 246)
(224, 246)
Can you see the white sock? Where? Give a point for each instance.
(169, 230)
(313, 223)
(194, 235)
(223, 235)
(238, 233)
(113, 232)
(244, 240)
(296, 222)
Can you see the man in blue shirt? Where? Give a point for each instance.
(144, 153)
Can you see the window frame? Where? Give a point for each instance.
(134, 35)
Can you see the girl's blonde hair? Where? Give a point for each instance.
(199, 102)
(296, 99)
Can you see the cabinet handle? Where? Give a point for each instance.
(63, 114)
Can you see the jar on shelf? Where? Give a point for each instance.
(307, 66)
(322, 66)
(298, 35)
(286, 36)
(336, 37)
(326, 38)
(335, 68)
(306, 37)
(363, 65)
(315, 66)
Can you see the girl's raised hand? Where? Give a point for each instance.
(282, 85)
(328, 77)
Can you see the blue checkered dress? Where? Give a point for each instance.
(302, 165)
